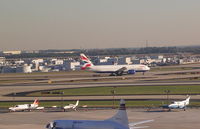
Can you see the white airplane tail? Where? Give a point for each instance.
(87, 62)
(187, 101)
(121, 116)
(36, 102)
(77, 102)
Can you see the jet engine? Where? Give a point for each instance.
(131, 71)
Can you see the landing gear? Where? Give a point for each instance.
(112, 74)
(116, 74)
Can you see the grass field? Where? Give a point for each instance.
(123, 90)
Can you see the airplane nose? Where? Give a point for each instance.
(48, 126)
(147, 68)
(51, 125)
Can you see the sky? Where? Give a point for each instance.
(83, 24)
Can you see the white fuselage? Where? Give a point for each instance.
(114, 68)
(70, 106)
(87, 124)
(179, 104)
(23, 107)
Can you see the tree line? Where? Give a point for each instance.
(110, 52)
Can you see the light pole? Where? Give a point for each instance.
(113, 94)
(167, 93)
(61, 94)
(14, 98)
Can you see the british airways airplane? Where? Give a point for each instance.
(117, 70)
(118, 121)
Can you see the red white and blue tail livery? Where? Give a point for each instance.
(87, 62)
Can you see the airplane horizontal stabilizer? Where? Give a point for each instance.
(121, 116)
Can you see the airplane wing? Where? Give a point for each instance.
(120, 71)
(40, 108)
(140, 122)
(141, 127)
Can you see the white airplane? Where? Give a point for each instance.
(178, 104)
(113, 69)
(71, 106)
(118, 121)
(23, 107)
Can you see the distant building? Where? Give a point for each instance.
(2, 60)
(19, 62)
(71, 65)
(12, 52)
(157, 57)
(36, 64)
(106, 61)
(44, 69)
(137, 61)
(38, 60)
(8, 69)
(57, 62)
(31, 51)
(180, 61)
(124, 60)
(24, 69)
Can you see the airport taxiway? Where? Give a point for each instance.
(26, 88)
(178, 119)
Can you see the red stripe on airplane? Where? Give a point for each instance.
(84, 58)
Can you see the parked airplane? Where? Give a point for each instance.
(71, 106)
(113, 69)
(118, 121)
(178, 104)
(23, 107)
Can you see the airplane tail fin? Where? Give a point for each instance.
(187, 100)
(36, 102)
(121, 116)
(75, 106)
(87, 62)
(77, 102)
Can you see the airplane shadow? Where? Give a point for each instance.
(160, 110)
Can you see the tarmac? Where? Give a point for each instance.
(177, 119)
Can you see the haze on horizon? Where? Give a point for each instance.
(74, 24)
